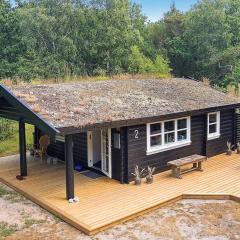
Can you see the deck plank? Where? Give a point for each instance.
(105, 202)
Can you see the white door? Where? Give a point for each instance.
(106, 152)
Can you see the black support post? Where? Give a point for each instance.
(69, 167)
(22, 149)
(36, 137)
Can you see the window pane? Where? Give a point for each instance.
(212, 128)
(213, 118)
(182, 135)
(155, 128)
(182, 123)
(156, 141)
(169, 126)
(169, 138)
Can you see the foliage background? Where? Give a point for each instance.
(55, 39)
(68, 38)
(9, 137)
(73, 39)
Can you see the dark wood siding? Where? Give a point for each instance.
(56, 149)
(219, 145)
(119, 156)
(237, 122)
(133, 150)
(79, 150)
(137, 147)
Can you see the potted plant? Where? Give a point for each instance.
(137, 174)
(149, 177)
(229, 148)
(238, 148)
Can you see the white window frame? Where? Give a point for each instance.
(60, 138)
(168, 146)
(217, 133)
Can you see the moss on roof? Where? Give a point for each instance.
(85, 103)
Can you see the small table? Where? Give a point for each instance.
(176, 165)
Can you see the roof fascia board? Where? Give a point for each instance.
(10, 117)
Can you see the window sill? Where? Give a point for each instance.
(214, 136)
(167, 148)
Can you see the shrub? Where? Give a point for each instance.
(6, 129)
(138, 63)
(161, 66)
(99, 72)
(233, 78)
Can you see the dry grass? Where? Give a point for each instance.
(72, 79)
(77, 110)
(20, 95)
(7, 82)
(206, 81)
(36, 108)
(30, 99)
(233, 91)
(85, 103)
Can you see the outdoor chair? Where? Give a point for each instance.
(44, 142)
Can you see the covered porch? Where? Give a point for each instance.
(15, 109)
(104, 202)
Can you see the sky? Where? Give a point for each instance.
(154, 9)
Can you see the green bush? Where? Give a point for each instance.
(9, 143)
(161, 66)
(138, 63)
(233, 79)
(6, 129)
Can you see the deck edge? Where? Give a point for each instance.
(92, 231)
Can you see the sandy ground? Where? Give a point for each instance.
(186, 219)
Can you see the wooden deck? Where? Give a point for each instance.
(105, 202)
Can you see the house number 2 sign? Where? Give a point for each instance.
(136, 134)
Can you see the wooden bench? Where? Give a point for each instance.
(176, 165)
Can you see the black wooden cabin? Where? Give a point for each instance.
(133, 145)
(170, 119)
